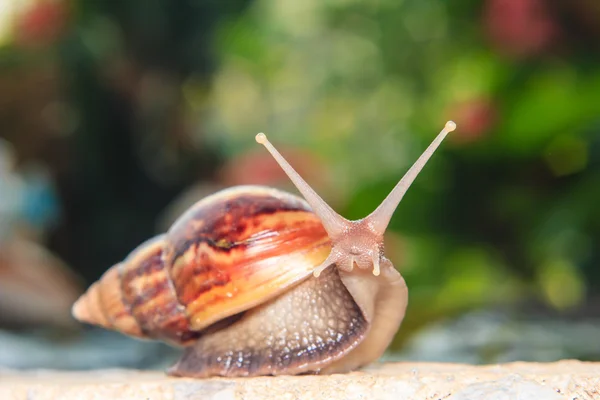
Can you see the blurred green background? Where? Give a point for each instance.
(117, 115)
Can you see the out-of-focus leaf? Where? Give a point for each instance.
(552, 101)
(561, 283)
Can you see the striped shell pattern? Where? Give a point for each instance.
(229, 252)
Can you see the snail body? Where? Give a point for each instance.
(256, 281)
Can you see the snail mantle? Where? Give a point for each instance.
(521, 381)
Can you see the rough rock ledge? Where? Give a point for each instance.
(519, 381)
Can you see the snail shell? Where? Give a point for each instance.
(228, 253)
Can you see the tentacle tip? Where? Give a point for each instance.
(376, 272)
(450, 126)
(261, 138)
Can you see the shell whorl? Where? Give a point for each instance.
(229, 252)
(136, 298)
(102, 305)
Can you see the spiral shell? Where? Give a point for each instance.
(229, 252)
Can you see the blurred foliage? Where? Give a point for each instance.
(507, 210)
(156, 96)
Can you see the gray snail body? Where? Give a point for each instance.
(255, 281)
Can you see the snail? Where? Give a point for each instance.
(256, 281)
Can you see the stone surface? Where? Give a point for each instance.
(521, 381)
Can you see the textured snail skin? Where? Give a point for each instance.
(232, 282)
(317, 327)
(301, 330)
